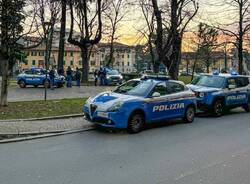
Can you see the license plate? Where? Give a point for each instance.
(103, 114)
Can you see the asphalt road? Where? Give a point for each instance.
(209, 151)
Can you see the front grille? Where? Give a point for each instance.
(115, 78)
(92, 108)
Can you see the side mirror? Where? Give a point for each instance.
(231, 86)
(156, 94)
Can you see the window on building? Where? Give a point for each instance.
(41, 53)
(80, 62)
(65, 53)
(93, 54)
(33, 53)
(102, 55)
(128, 55)
(128, 63)
(34, 62)
(92, 63)
(71, 63)
(122, 55)
(27, 53)
(122, 63)
(64, 62)
(72, 54)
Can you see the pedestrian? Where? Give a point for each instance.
(101, 76)
(78, 77)
(69, 77)
(96, 77)
(52, 78)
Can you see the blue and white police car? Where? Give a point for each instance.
(153, 99)
(37, 77)
(218, 92)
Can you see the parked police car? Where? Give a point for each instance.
(218, 92)
(153, 99)
(37, 77)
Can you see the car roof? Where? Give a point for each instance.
(226, 75)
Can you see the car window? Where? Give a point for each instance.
(127, 86)
(142, 89)
(160, 88)
(35, 72)
(211, 81)
(242, 82)
(29, 72)
(231, 81)
(174, 87)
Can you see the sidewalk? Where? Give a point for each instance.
(43, 126)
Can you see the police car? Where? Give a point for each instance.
(218, 92)
(37, 77)
(154, 99)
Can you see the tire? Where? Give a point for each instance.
(217, 109)
(189, 114)
(136, 123)
(35, 86)
(247, 107)
(22, 84)
(46, 84)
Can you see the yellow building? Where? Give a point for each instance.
(124, 57)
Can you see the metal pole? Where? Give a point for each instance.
(46, 69)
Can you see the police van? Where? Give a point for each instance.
(153, 99)
(218, 92)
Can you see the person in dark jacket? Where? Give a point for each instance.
(52, 78)
(78, 77)
(101, 76)
(69, 77)
(96, 77)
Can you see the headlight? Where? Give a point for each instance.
(115, 107)
(121, 77)
(89, 100)
(108, 77)
(201, 95)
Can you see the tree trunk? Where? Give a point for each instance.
(62, 37)
(111, 54)
(85, 65)
(4, 85)
(240, 40)
(173, 63)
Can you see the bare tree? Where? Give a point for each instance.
(242, 26)
(172, 20)
(12, 22)
(114, 14)
(62, 35)
(89, 22)
(148, 31)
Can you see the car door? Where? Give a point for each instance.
(242, 90)
(232, 94)
(36, 78)
(157, 103)
(177, 99)
(28, 77)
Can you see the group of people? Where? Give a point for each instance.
(69, 77)
(101, 76)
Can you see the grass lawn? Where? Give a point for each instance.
(38, 109)
(185, 79)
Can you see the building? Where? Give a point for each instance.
(124, 57)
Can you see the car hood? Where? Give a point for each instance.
(204, 89)
(106, 99)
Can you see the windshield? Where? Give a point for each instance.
(112, 72)
(210, 81)
(141, 89)
(126, 86)
(195, 80)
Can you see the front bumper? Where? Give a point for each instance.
(106, 119)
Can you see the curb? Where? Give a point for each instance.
(87, 128)
(44, 118)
